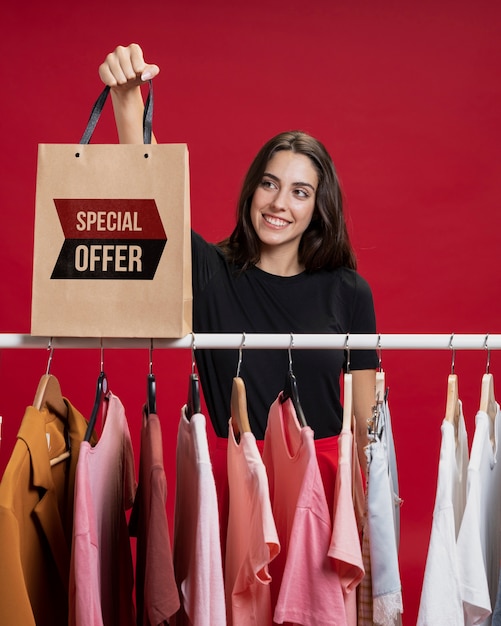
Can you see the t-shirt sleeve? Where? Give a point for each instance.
(363, 321)
(205, 261)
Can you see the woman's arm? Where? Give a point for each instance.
(364, 398)
(124, 71)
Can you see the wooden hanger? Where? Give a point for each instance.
(452, 406)
(488, 402)
(239, 415)
(487, 399)
(380, 386)
(48, 394)
(347, 401)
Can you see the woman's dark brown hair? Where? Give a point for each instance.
(325, 244)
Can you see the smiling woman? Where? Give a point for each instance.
(288, 266)
(281, 211)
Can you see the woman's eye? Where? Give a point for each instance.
(267, 184)
(302, 193)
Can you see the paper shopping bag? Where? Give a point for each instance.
(112, 254)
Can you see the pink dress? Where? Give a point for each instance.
(345, 545)
(101, 574)
(197, 546)
(306, 588)
(252, 540)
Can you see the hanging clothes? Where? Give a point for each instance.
(441, 601)
(36, 519)
(345, 545)
(101, 578)
(383, 505)
(197, 547)
(157, 597)
(305, 584)
(479, 541)
(252, 539)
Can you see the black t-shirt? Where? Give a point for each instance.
(228, 300)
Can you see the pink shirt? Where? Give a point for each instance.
(305, 582)
(101, 575)
(197, 547)
(252, 540)
(345, 545)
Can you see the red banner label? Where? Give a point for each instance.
(109, 219)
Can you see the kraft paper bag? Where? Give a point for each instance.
(112, 252)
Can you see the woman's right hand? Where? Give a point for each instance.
(125, 68)
(124, 71)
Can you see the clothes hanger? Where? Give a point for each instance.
(48, 394)
(193, 404)
(452, 408)
(488, 402)
(101, 390)
(347, 391)
(380, 393)
(347, 401)
(151, 387)
(239, 414)
(290, 390)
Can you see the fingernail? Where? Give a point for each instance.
(146, 75)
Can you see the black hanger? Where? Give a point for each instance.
(151, 387)
(193, 404)
(101, 390)
(291, 391)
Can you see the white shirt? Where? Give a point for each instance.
(478, 542)
(441, 576)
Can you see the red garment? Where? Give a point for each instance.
(157, 597)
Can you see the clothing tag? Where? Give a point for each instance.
(47, 435)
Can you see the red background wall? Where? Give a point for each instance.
(406, 96)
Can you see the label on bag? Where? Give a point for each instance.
(109, 239)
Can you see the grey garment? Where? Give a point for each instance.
(496, 616)
(382, 508)
(387, 436)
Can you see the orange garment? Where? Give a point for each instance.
(36, 518)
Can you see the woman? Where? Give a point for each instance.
(288, 267)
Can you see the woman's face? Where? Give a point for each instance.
(284, 201)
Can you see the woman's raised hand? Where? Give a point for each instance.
(125, 68)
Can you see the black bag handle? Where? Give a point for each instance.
(98, 108)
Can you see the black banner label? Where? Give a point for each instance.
(109, 239)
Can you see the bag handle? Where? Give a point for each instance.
(98, 108)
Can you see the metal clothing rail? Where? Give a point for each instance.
(381, 341)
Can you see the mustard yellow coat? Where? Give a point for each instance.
(36, 519)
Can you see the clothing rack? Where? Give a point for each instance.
(378, 341)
